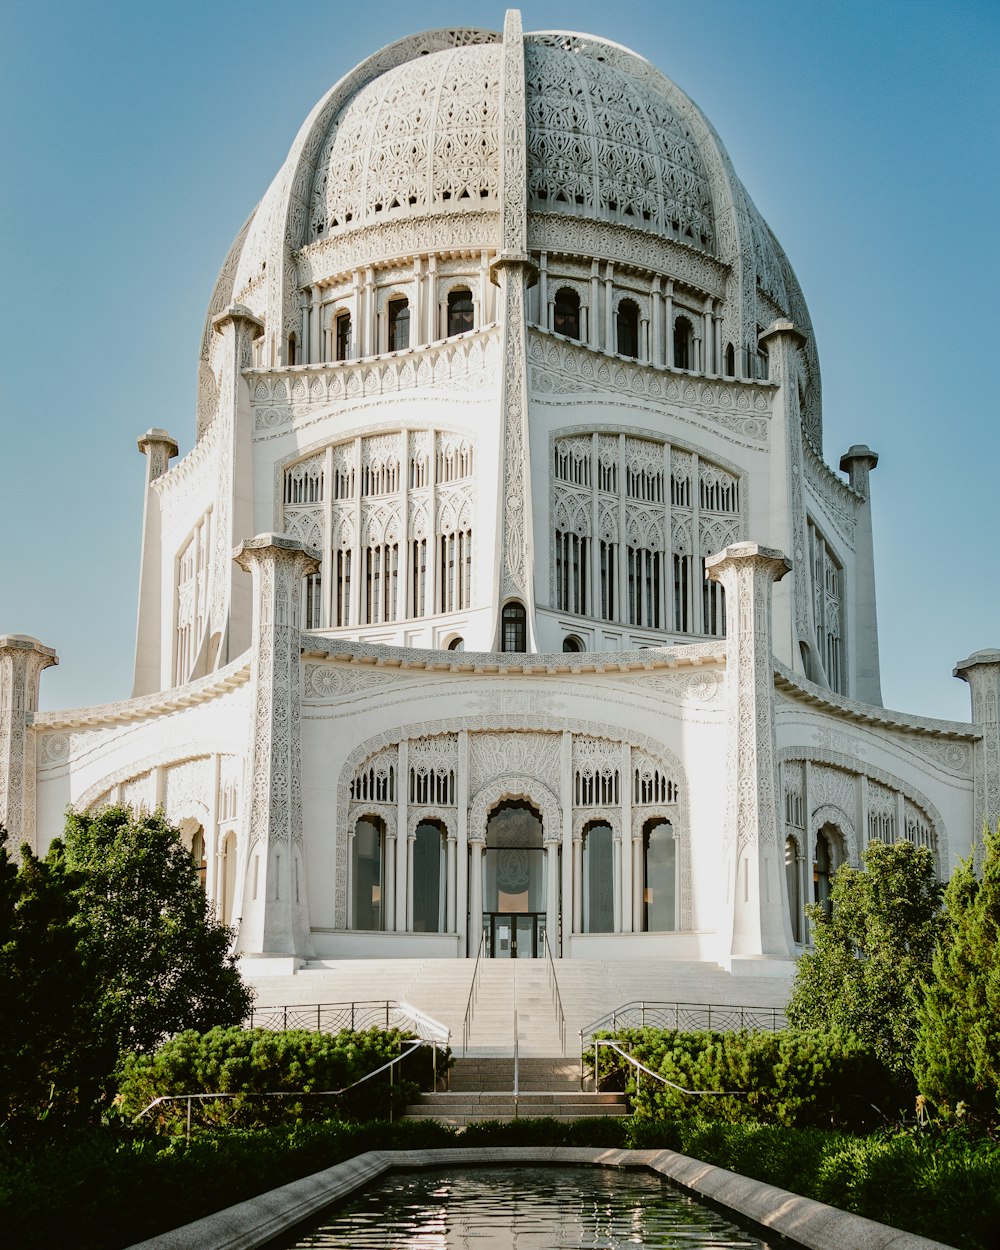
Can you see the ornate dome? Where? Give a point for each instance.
(424, 138)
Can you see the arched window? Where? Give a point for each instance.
(824, 867)
(730, 361)
(628, 328)
(598, 878)
(659, 877)
(572, 645)
(794, 885)
(456, 644)
(399, 325)
(461, 314)
(428, 877)
(367, 862)
(292, 350)
(566, 313)
(683, 344)
(514, 628)
(342, 336)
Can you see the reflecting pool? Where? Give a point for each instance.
(540, 1208)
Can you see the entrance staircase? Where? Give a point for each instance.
(483, 1089)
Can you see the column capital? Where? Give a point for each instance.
(857, 462)
(44, 656)
(22, 660)
(745, 557)
(275, 547)
(780, 328)
(235, 314)
(978, 664)
(159, 448)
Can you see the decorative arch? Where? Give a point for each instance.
(678, 813)
(515, 786)
(830, 814)
(859, 768)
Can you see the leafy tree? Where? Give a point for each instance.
(957, 1051)
(106, 945)
(148, 937)
(871, 951)
(52, 1060)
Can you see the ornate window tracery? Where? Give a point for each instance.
(360, 493)
(461, 312)
(828, 607)
(192, 580)
(677, 509)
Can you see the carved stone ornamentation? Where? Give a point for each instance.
(22, 660)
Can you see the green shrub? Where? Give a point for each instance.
(790, 1077)
(254, 1062)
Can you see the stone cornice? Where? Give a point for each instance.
(509, 663)
(828, 477)
(148, 706)
(802, 691)
(569, 235)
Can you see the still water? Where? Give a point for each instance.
(542, 1208)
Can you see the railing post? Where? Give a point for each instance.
(189, 1121)
(284, 1018)
(318, 1010)
(709, 1017)
(352, 1016)
(387, 1013)
(597, 1068)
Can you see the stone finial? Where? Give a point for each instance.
(857, 462)
(22, 660)
(159, 448)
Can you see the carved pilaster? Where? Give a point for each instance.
(21, 662)
(857, 462)
(793, 603)
(982, 671)
(756, 921)
(275, 920)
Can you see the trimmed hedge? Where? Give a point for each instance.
(102, 1192)
(794, 1078)
(253, 1062)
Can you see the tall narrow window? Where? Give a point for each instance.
(713, 607)
(644, 587)
(399, 325)
(461, 315)
(418, 577)
(659, 873)
(342, 334)
(730, 361)
(682, 594)
(292, 350)
(793, 884)
(572, 560)
(342, 613)
(381, 583)
(598, 879)
(628, 328)
(514, 628)
(609, 575)
(312, 601)
(566, 313)
(428, 878)
(683, 344)
(367, 863)
(455, 571)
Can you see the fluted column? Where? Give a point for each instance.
(754, 923)
(274, 922)
(982, 671)
(22, 660)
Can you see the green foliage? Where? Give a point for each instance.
(146, 931)
(103, 1193)
(105, 945)
(52, 1060)
(255, 1062)
(871, 953)
(957, 1052)
(789, 1077)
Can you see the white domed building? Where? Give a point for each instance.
(506, 597)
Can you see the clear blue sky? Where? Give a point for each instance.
(137, 137)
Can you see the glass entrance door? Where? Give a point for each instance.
(514, 935)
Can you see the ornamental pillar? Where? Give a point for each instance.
(22, 660)
(275, 917)
(982, 671)
(857, 462)
(152, 657)
(754, 925)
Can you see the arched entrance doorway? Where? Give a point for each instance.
(514, 882)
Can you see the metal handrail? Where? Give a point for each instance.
(412, 1045)
(470, 1004)
(638, 1064)
(691, 1016)
(517, 1066)
(352, 1016)
(556, 996)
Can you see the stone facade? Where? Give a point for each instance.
(506, 577)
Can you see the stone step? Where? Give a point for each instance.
(458, 1109)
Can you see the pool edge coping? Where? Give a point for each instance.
(813, 1225)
